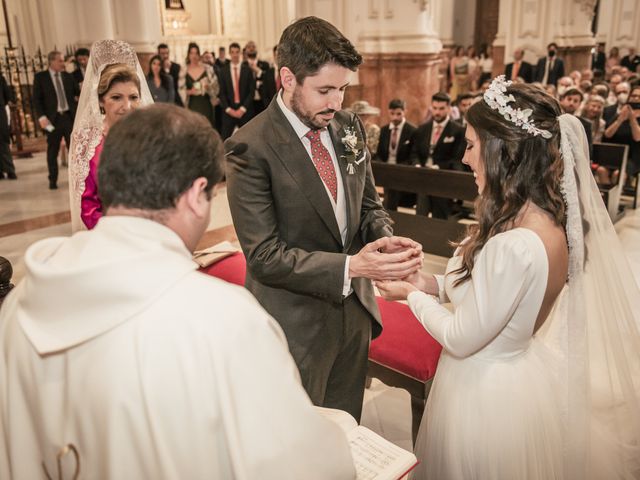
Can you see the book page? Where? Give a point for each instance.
(376, 458)
(341, 418)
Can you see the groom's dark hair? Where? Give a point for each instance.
(310, 43)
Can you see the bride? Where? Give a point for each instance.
(540, 372)
(113, 84)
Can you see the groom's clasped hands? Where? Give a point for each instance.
(387, 259)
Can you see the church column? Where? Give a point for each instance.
(573, 31)
(138, 22)
(501, 55)
(618, 22)
(401, 53)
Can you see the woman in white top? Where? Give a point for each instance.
(541, 355)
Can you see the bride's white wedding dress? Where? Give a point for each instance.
(563, 403)
(493, 411)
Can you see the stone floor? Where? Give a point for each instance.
(29, 211)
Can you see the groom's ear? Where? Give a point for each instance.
(287, 79)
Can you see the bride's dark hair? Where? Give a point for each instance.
(518, 167)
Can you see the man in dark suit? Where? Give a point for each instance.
(259, 69)
(631, 61)
(304, 206)
(550, 68)
(172, 69)
(270, 82)
(519, 68)
(222, 59)
(570, 101)
(439, 143)
(599, 58)
(82, 60)
(55, 97)
(395, 147)
(237, 92)
(6, 161)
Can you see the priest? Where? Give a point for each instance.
(118, 359)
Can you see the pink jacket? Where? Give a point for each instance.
(90, 204)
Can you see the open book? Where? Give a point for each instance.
(374, 457)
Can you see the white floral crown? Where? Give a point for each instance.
(497, 99)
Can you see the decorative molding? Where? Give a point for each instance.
(388, 10)
(529, 19)
(423, 4)
(587, 6)
(374, 10)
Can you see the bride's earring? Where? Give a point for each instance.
(102, 110)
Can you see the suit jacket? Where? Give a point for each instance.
(78, 76)
(247, 87)
(404, 147)
(174, 73)
(598, 61)
(268, 88)
(526, 71)
(448, 150)
(555, 73)
(45, 100)
(288, 231)
(6, 96)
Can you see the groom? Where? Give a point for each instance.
(304, 206)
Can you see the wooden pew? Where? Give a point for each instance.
(614, 157)
(405, 356)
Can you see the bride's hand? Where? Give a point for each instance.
(395, 289)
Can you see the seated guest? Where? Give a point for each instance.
(118, 355)
(621, 95)
(395, 147)
(624, 129)
(438, 143)
(631, 61)
(570, 101)
(160, 84)
(592, 111)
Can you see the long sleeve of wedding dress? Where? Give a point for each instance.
(503, 273)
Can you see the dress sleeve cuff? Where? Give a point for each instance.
(442, 294)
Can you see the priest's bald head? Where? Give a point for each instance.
(161, 163)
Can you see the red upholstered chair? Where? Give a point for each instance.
(232, 269)
(404, 356)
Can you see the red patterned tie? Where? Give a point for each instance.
(323, 163)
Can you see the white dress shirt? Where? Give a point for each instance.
(339, 207)
(393, 153)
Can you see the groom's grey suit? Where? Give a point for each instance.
(295, 255)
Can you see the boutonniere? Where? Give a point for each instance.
(354, 146)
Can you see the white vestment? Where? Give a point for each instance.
(115, 344)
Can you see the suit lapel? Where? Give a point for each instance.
(288, 148)
(352, 192)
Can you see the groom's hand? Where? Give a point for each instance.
(399, 244)
(372, 262)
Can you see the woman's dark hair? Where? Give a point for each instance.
(191, 46)
(165, 80)
(518, 167)
(310, 43)
(154, 154)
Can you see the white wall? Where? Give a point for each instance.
(464, 22)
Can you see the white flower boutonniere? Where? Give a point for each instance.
(354, 146)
